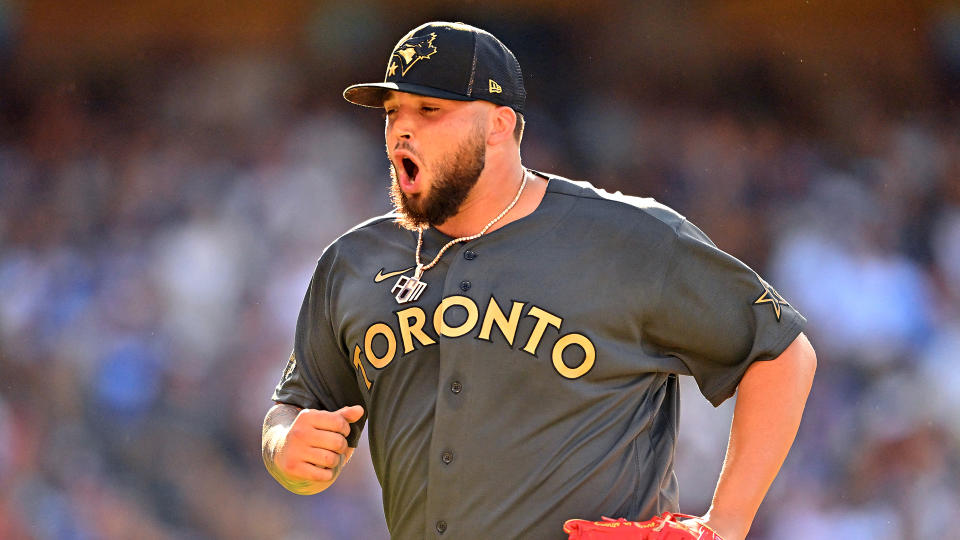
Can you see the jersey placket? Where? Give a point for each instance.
(444, 471)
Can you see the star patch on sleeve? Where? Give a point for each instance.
(772, 297)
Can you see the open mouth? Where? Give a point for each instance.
(410, 168)
(407, 171)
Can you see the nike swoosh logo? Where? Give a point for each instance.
(381, 276)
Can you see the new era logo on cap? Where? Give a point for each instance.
(450, 61)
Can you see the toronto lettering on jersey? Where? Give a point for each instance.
(411, 322)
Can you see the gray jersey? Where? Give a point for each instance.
(535, 378)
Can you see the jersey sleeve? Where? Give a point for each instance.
(716, 315)
(318, 374)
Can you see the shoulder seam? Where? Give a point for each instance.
(589, 195)
(373, 221)
(364, 225)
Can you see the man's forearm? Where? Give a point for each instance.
(770, 401)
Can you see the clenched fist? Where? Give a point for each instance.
(305, 449)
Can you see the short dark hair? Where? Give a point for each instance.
(518, 128)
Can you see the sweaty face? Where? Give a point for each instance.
(454, 175)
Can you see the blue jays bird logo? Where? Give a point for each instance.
(410, 52)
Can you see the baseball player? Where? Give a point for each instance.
(512, 340)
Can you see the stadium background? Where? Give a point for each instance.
(170, 170)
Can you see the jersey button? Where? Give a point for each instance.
(456, 387)
(446, 458)
(441, 526)
(469, 255)
(464, 286)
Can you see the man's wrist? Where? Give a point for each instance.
(728, 526)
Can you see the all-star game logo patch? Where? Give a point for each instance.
(772, 297)
(410, 52)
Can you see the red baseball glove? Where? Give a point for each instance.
(663, 527)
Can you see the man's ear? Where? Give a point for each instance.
(502, 121)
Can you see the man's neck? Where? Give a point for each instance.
(493, 193)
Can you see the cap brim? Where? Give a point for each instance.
(373, 94)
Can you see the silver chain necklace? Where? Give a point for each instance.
(408, 289)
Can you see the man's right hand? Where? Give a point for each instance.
(305, 449)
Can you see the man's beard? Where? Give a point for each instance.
(454, 177)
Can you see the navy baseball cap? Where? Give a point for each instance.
(450, 61)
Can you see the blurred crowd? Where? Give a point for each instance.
(159, 222)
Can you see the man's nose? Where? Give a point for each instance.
(401, 125)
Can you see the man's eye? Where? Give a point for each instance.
(428, 109)
(389, 112)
